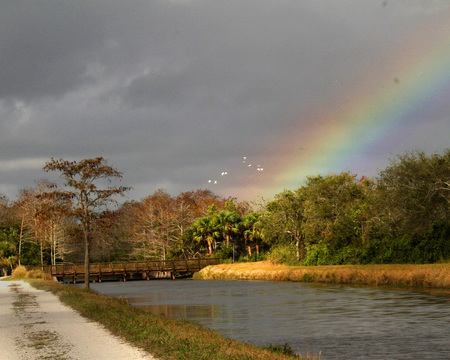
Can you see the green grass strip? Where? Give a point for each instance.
(163, 338)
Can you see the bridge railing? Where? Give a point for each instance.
(188, 265)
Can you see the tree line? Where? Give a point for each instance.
(400, 216)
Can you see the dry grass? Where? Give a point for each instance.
(36, 274)
(21, 272)
(430, 276)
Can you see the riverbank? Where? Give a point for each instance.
(428, 276)
(162, 337)
(36, 325)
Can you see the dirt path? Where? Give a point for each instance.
(34, 324)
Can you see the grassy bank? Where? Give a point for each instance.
(164, 338)
(430, 276)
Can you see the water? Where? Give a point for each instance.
(342, 322)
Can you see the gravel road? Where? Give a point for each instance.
(34, 324)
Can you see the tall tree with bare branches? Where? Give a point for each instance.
(83, 180)
(42, 217)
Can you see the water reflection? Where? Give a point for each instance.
(182, 311)
(342, 322)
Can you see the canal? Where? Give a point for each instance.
(340, 321)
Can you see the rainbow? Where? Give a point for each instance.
(340, 138)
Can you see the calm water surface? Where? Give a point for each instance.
(342, 322)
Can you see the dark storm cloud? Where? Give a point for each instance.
(45, 47)
(174, 92)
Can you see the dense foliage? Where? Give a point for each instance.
(401, 216)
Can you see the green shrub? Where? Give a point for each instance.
(254, 258)
(281, 349)
(317, 255)
(435, 244)
(430, 247)
(285, 254)
(225, 252)
(346, 255)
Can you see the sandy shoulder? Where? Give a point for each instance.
(34, 324)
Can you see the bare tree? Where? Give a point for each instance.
(82, 179)
(41, 216)
(157, 226)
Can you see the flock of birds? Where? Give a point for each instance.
(244, 161)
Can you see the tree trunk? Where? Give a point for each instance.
(86, 257)
(210, 247)
(53, 241)
(20, 238)
(42, 256)
(300, 248)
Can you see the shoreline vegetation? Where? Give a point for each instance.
(164, 338)
(171, 339)
(423, 276)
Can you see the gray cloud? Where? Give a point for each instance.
(45, 47)
(175, 92)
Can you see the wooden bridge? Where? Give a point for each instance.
(129, 270)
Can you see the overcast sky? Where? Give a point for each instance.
(176, 93)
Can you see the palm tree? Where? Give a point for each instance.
(8, 257)
(229, 224)
(207, 229)
(252, 233)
